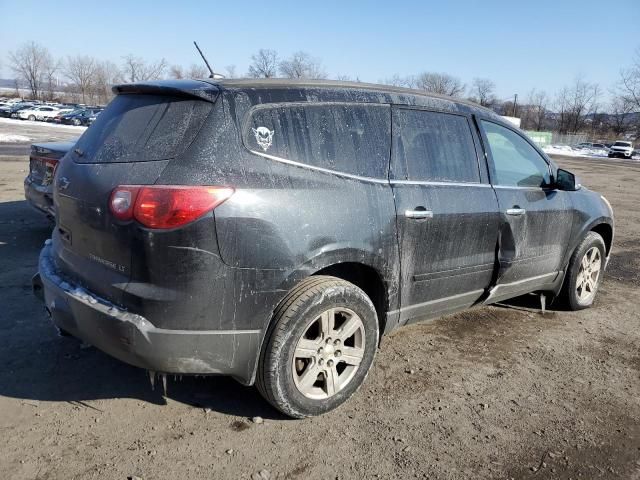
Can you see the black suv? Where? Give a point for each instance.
(274, 230)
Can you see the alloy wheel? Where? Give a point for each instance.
(328, 353)
(588, 275)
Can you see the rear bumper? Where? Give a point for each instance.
(134, 340)
(39, 197)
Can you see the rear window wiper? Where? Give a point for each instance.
(78, 152)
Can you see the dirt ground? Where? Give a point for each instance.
(497, 392)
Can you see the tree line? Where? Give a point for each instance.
(579, 107)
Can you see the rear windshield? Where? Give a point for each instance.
(139, 128)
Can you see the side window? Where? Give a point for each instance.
(433, 146)
(349, 138)
(515, 162)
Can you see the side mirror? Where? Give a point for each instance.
(565, 180)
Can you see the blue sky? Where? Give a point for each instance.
(519, 45)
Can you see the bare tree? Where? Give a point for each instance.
(50, 71)
(29, 63)
(264, 64)
(538, 102)
(581, 97)
(562, 107)
(80, 70)
(620, 108)
(630, 81)
(534, 112)
(194, 71)
(197, 71)
(231, 71)
(482, 92)
(136, 69)
(105, 76)
(176, 71)
(574, 103)
(399, 81)
(440, 83)
(301, 65)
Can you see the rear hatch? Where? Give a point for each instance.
(144, 128)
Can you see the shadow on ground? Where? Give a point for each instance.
(38, 364)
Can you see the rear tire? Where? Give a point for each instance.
(32, 118)
(585, 272)
(319, 347)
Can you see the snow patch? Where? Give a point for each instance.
(568, 151)
(12, 138)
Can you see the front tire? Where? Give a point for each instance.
(585, 272)
(32, 118)
(319, 348)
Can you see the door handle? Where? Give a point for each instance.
(418, 214)
(516, 211)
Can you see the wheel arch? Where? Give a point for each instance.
(353, 266)
(368, 279)
(606, 232)
(602, 227)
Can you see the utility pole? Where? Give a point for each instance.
(515, 104)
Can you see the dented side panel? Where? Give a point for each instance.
(534, 243)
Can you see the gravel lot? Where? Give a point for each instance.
(496, 392)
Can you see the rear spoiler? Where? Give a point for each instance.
(180, 88)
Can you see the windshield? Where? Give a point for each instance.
(138, 128)
(622, 144)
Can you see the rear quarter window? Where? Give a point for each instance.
(349, 138)
(138, 128)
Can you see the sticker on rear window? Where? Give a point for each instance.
(264, 137)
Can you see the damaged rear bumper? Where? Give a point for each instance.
(134, 340)
(39, 197)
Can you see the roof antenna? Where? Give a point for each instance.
(213, 74)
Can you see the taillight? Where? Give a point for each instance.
(164, 206)
(122, 201)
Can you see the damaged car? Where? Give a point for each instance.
(38, 184)
(275, 230)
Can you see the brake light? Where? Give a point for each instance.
(49, 162)
(165, 206)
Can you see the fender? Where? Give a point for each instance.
(577, 238)
(559, 282)
(323, 258)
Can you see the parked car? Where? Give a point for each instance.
(58, 117)
(62, 110)
(37, 112)
(274, 230)
(79, 117)
(621, 149)
(43, 162)
(590, 145)
(11, 111)
(596, 149)
(91, 118)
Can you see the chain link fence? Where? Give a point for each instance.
(568, 139)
